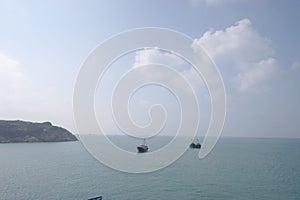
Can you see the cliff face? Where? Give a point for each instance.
(21, 131)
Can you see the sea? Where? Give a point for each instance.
(237, 168)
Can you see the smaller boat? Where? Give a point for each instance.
(143, 147)
(96, 198)
(195, 145)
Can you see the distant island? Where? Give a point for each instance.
(23, 131)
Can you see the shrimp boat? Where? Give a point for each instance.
(143, 147)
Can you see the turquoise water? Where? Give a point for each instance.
(238, 168)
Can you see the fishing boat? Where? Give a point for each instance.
(143, 147)
(96, 198)
(195, 145)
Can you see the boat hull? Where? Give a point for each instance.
(142, 149)
(195, 146)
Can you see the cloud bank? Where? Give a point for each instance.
(239, 48)
(242, 48)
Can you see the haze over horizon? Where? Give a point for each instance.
(255, 47)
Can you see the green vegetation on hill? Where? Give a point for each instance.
(22, 131)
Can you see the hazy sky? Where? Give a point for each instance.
(254, 43)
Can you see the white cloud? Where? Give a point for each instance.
(154, 55)
(237, 43)
(238, 48)
(257, 74)
(295, 66)
(241, 47)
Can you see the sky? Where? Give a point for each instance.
(254, 44)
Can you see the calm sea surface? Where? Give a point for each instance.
(238, 168)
